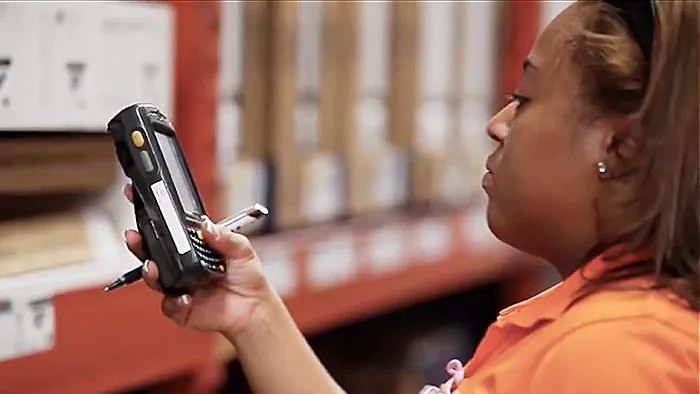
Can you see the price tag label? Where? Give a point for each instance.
(332, 262)
(371, 121)
(9, 330)
(37, 324)
(26, 327)
(391, 181)
(476, 230)
(386, 249)
(433, 126)
(279, 268)
(323, 188)
(306, 125)
(432, 238)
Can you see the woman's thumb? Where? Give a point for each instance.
(230, 244)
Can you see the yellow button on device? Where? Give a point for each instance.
(137, 138)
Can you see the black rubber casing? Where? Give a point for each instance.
(179, 273)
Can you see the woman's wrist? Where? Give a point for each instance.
(262, 313)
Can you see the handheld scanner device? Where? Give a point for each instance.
(164, 195)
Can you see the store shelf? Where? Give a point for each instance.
(106, 342)
(119, 341)
(329, 276)
(369, 270)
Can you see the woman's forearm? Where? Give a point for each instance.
(276, 357)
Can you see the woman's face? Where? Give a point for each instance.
(543, 182)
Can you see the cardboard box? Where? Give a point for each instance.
(243, 131)
(436, 42)
(403, 66)
(42, 242)
(475, 62)
(47, 164)
(377, 172)
(255, 84)
(305, 166)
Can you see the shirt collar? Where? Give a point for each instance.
(553, 302)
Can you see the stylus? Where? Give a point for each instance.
(242, 219)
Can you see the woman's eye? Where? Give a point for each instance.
(519, 99)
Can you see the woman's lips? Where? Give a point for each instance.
(487, 180)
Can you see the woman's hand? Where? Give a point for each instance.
(228, 305)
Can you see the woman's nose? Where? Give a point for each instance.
(498, 127)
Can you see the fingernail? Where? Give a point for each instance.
(145, 266)
(124, 235)
(184, 299)
(208, 226)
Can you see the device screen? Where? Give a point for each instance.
(178, 172)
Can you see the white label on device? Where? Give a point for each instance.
(165, 203)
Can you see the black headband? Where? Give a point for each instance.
(640, 18)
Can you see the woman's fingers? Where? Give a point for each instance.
(177, 308)
(232, 245)
(129, 192)
(150, 275)
(134, 242)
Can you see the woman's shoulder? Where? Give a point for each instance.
(654, 312)
(620, 342)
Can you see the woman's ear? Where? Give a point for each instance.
(622, 147)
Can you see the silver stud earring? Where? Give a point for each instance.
(602, 168)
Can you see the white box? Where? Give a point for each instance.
(436, 48)
(78, 64)
(373, 52)
(434, 120)
(231, 46)
(480, 49)
(37, 325)
(228, 133)
(69, 78)
(371, 121)
(243, 183)
(373, 48)
(323, 177)
(306, 112)
(309, 46)
(392, 178)
(21, 101)
(136, 62)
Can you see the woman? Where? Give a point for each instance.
(598, 151)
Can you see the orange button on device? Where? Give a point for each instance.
(137, 138)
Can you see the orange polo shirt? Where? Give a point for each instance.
(616, 341)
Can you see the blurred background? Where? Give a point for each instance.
(360, 124)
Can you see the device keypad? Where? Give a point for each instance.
(204, 252)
